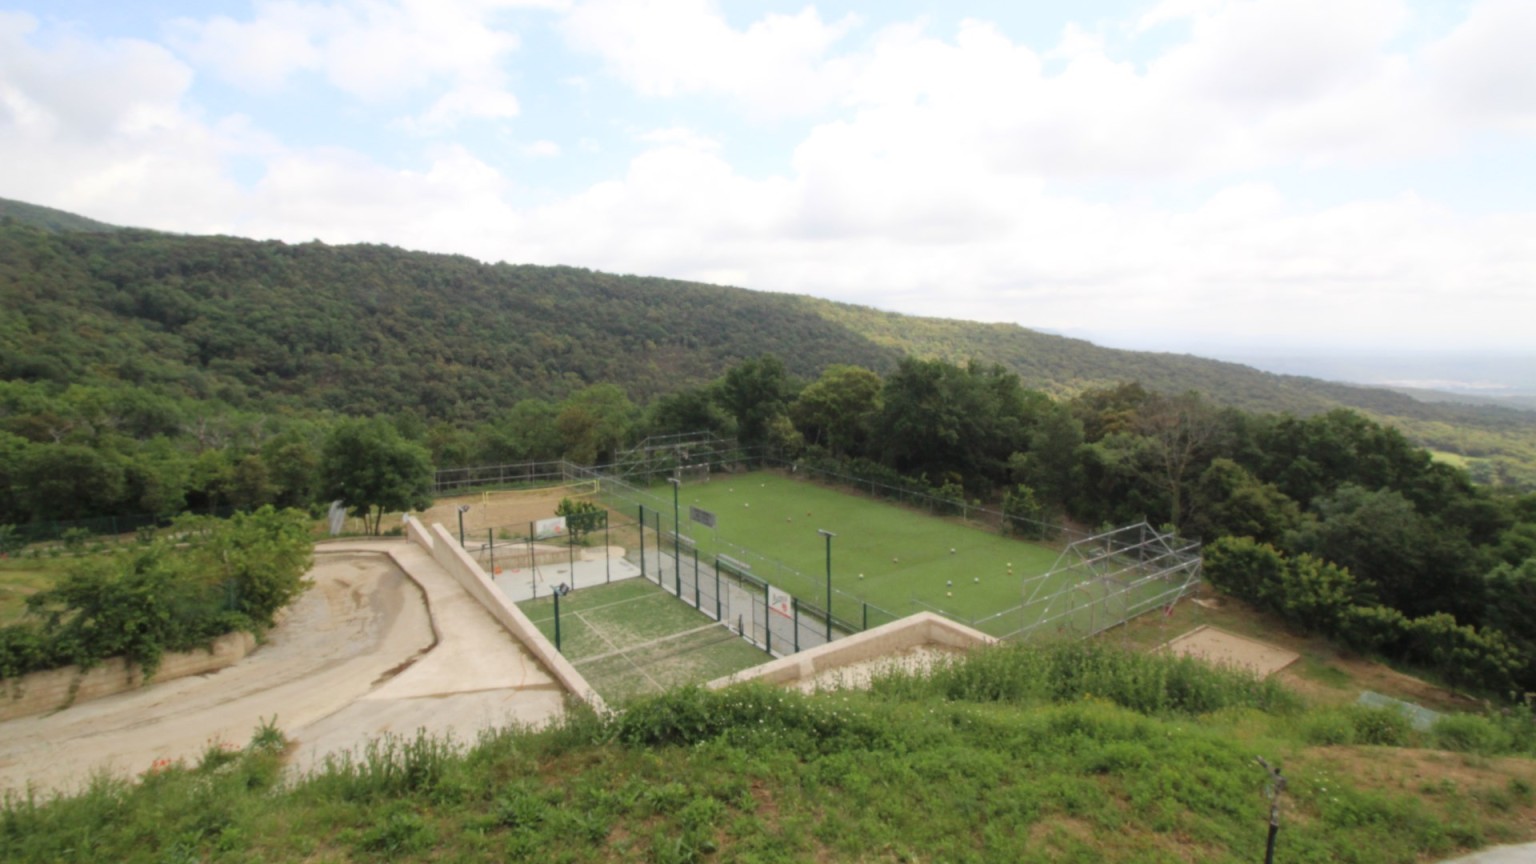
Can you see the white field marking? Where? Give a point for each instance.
(657, 641)
(617, 650)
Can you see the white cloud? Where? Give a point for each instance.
(955, 174)
(777, 66)
(377, 52)
(1484, 67)
(542, 149)
(101, 126)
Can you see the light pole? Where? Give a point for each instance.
(463, 508)
(829, 535)
(677, 539)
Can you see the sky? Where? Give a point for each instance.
(1203, 176)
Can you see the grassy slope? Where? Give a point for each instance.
(20, 579)
(1072, 755)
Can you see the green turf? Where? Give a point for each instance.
(903, 555)
(631, 638)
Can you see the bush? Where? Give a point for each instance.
(1384, 726)
(1465, 655)
(1328, 728)
(214, 577)
(1374, 629)
(1244, 568)
(1470, 733)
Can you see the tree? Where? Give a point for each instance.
(687, 411)
(581, 517)
(529, 431)
(1229, 501)
(594, 424)
(837, 410)
(755, 392)
(1176, 435)
(1023, 513)
(372, 470)
(1418, 566)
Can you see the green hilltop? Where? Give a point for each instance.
(364, 329)
(48, 218)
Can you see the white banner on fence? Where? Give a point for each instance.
(779, 602)
(547, 528)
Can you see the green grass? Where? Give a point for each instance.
(20, 579)
(1076, 753)
(632, 638)
(884, 553)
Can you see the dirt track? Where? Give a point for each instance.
(345, 641)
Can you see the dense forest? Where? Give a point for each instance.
(242, 325)
(147, 373)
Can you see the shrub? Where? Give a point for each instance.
(1244, 568)
(1328, 728)
(1470, 733)
(172, 594)
(1384, 726)
(1373, 629)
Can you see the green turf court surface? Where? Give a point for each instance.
(884, 553)
(631, 638)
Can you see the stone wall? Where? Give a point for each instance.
(41, 692)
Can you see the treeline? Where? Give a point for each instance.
(1414, 536)
(306, 329)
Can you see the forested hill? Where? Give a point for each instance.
(48, 218)
(367, 329)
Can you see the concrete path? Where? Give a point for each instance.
(477, 677)
(368, 650)
(1522, 854)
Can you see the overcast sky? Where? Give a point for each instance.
(1179, 175)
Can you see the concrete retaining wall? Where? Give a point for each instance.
(925, 629)
(417, 532)
(41, 692)
(458, 564)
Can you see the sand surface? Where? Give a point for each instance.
(1229, 649)
(368, 650)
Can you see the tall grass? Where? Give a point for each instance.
(1147, 683)
(1067, 753)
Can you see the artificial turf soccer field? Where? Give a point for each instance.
(631, 638)
(903, 555)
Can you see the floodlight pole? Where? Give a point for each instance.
(829, 535)
(463, 508)
(677, 540)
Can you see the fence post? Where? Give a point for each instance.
(767, 620)
(607, 552)
(490, 543)
(717, 589)
(696, 577)
(642, 542)
(794, 604)
(866, 616)
(556, 595)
